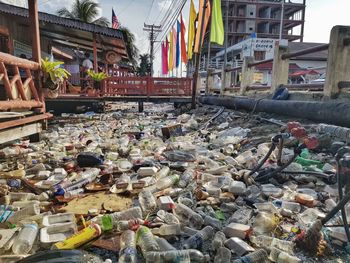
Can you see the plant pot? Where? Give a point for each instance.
(51, 94)
(49, 84)
(97, 85)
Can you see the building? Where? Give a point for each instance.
(259, 19)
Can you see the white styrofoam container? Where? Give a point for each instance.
(63, 218)
(58, 232)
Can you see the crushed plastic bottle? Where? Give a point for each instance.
(145, 240)
(196, 241)
(25, 239)
(187, 216)
(128, 252)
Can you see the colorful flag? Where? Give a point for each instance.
(183, 43)
(191, 30)
(115, 22)
(164, 61)
(166, 56)
(178, 44)
(198, 43)
(171, 50)
(174, 48)
(217, 33)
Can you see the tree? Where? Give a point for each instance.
(86, 11)
(144, 69)
(131, 48)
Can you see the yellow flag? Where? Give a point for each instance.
(171, 50)
(191, 29)
(217, 33)
(198, 44)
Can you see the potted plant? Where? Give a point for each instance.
(54, 75)
(97, 77)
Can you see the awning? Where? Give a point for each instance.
(303, 73)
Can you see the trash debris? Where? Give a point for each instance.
(206, 186)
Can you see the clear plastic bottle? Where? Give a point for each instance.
(162, 172)
(258, 256)
(213, 222)
(223, 255)
(280, 256)
(261, 241)
(196, 241)
(128, 250)
(163, 244)
(25, 239)
(147, 202)
(218, 241)
(189, 255)
(188, 217)
(146, 240)
(186, 177)
(21, 196)
(168, 230)
(167, 181)
(73, 193)
(168, 218)
(30, 210)
(131, 213)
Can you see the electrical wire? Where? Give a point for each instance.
(149, 11)
(124, 9)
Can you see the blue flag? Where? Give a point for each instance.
(178, 44)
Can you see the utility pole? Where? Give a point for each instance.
(282, 18)
(152, 29)
(223, 78)
(197, 58)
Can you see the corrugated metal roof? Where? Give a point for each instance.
(53, 19)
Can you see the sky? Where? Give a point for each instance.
(321, 16)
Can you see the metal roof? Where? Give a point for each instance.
(67, 22)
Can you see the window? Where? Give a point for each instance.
(251, 13)
(250, 29)
(259, 55)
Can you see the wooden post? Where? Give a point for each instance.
(247, 74)
(95, 53)
(36, 47)
(280, 69)
(34, 28)
(210, 81)
(338, 65)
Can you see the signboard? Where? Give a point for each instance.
(258, 77)
(260, 44)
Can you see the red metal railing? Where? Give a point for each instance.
(147, 86)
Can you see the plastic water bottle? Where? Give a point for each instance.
(218, 241)
(163, 244)
(190, 255)
(25, 239)
(73, 193)
(162, 172)
(187, 216)
(259, 256)
(147, 202)
(25, 212)
(223, 255)
(168, 230)
(196, 241)
(146, 240)
(213, 222)
(280, 256)
(186, 177)
(167, 181)
(131, 213)
(128, 250)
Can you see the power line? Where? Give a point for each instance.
(149, 11)
(131, 2)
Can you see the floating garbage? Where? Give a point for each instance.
(207, 186)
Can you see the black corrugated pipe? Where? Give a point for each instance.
(337, 113)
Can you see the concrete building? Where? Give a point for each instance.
(259, 19)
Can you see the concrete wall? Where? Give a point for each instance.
(251, 11)
(250, 26)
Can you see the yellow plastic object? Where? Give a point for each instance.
(80, 238)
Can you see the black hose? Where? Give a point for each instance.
(278, 170)
(335, 210)
(257, 168)
(328, 177)
(343, 212)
